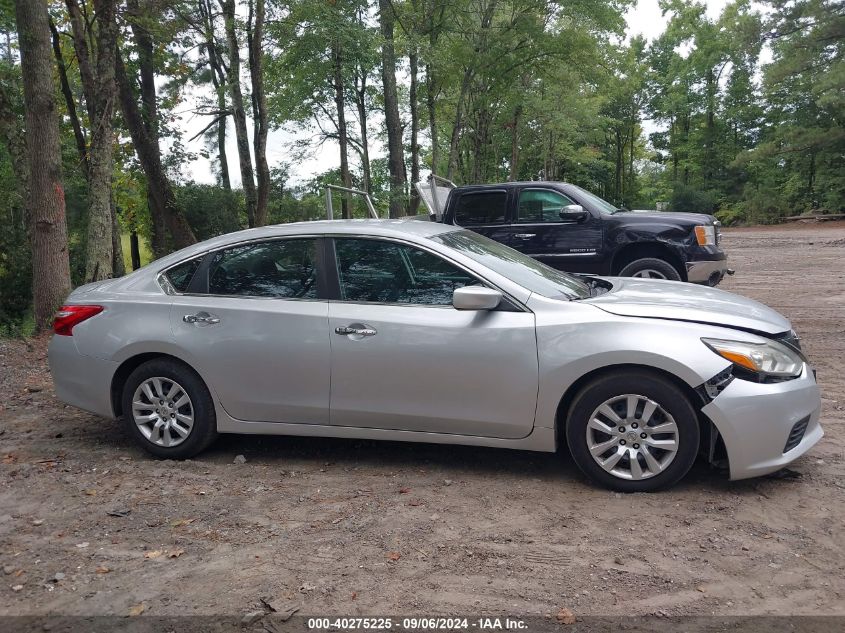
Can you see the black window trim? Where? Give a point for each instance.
(199, 282)
(509, 303)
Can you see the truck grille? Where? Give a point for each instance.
(796, 434)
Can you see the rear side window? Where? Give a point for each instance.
(284, 269)
(486, 207)
(180, 276)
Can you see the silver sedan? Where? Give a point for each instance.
(415, 331)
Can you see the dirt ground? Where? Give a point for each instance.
(89, 524)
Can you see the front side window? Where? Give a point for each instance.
(486, 207)
(541, 205)
(285, 269)
(387, 272)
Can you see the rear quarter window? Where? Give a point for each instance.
(180, 276)
(487, 207)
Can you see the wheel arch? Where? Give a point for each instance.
(562, 412)
(640, 250)
(125, 369)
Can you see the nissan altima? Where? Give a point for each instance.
(416, 331)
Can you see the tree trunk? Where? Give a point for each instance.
(46, 204)
(98, 87)
(259, 111)
(218, 80)
(413, 59)
(396, 160)
(514, 167)
(361, 103)
(456, 128)
(430, 99)
(238, 112)
(342, 133)
(70, 103)
(163, 207)
(134, 250)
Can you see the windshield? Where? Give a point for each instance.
(602, 205)
(524, 270)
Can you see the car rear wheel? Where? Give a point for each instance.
(633, 431)
(168, 409)
(650, 268)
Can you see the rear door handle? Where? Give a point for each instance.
(201, 317)
(525, 236)
(361, 331)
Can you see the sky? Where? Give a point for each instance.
(642, 19)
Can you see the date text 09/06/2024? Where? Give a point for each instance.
(417, 623)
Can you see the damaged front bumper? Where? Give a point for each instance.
(766, 426)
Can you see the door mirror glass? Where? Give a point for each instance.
(476, 298)
(573, 213)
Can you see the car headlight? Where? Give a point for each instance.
(766, 360)
(705, 235)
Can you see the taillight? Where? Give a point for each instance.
(69, 316)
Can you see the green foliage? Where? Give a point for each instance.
(686, 199)
(211, 210)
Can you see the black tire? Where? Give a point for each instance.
(659, 266)
(653, 386)
(204, 430)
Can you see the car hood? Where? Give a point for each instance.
(679, 217)
(681, 301)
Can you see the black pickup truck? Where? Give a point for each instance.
(571, 229)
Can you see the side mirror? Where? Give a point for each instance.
(476, 298)
(573, 213)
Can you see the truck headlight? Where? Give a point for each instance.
(765, 360)
(705, 235)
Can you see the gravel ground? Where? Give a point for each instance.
(91, 525)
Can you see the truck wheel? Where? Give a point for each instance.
(650, 268)
(632, 431)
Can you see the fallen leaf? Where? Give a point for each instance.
(404, 491)
(415, 503)
(91, 492)
(102, 569)
(138, 609)
(19, 573)
(10, 458)
(768, 536)
(153, 554)
(565, 616)
(175, 553)
(394, 556)
(354, 595)
(181, 522)
(701, 589)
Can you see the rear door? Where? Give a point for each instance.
(254, 321)
(542, 230)
(403, 358)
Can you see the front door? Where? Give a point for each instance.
(542, 230)
(254, 322)
(403, 358)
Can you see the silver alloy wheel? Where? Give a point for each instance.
(632, 437)
(163, 411)
(649, 273)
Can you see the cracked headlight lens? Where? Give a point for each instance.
(769, 359)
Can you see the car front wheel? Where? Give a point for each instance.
(168, 409)
(633, 431)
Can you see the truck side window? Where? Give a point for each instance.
(487, 207)
(539, 205)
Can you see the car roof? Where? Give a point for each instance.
(510, 185)
(400, 227)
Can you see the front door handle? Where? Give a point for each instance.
(525, 236)
(201, 317)
(360, 331)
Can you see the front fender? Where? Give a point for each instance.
(575, 339)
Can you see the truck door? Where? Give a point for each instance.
(543, 230)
